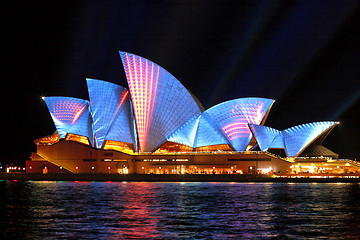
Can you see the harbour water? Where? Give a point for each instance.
(128, 210)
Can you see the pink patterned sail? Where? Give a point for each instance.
(160, 102)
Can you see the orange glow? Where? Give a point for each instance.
(48, 140)
(214, 148)
(119, 146)
(77, 138)
(173, 147)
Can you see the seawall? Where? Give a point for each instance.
(166, 178)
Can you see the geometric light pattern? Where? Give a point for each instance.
(122, 128)
(208, 133)
(186, 134)
(293, 140)
(106, 102)
(158, 112)
(233, 117)
(70, 115)
(224, 123)
(264, 135)
(199, 131)
(297, 138)
(160, 102)
(278, 142)
(143, 78)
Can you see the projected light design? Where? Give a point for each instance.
(293, 140)
(106, 103)
(67, 112)
(187, 133)
(297, 138)
(159, 113)
(233, 116)
(208, 133)
(70, 115)
(143, 77)
(266, 137)
(161, 103)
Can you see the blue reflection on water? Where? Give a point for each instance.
(115, 210)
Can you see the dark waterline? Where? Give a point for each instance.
(113, 210)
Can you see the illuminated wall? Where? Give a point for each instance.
(233, 116)
(161, 103)
(71, 115)
(293, 140)
(110, 110)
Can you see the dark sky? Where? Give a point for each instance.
(303, 54)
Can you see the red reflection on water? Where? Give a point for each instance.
(138, 219)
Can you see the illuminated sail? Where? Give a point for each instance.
(110, 110)
(161, 103)
(71, 115)
(233, 117)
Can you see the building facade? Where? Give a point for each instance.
(158, 126)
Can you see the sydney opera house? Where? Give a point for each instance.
(158, 126)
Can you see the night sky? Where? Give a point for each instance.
(303, 54)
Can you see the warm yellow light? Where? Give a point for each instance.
(43, 98)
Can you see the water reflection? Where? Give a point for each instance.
(94, 210)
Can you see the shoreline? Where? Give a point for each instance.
(177, 178)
